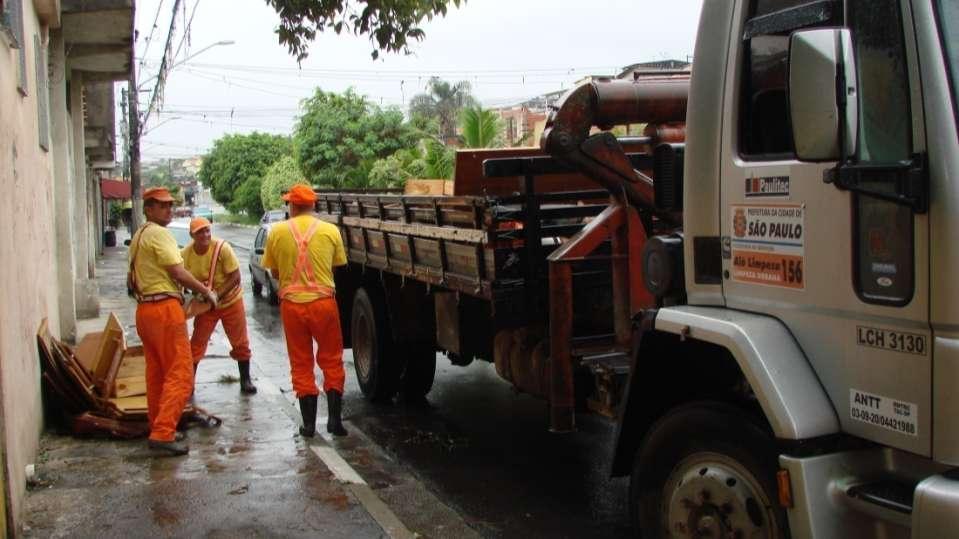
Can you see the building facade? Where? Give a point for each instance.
(59, 60)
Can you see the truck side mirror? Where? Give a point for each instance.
(823, 101)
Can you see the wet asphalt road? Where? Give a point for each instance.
(480, 448)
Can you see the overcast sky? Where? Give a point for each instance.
(508, 50)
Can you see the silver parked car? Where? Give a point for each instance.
(260, 276)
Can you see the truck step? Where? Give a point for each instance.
(610, 370)
(609, 364)
(889, 494)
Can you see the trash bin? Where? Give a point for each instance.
(110, 238)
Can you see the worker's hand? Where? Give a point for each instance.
(212, 297)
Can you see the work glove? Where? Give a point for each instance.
(212, 298)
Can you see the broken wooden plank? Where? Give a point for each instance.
(111, 342)
(130, 404)
(134, 364)
(69, 360)
(88, 424)
(131, 387)
(86, 351)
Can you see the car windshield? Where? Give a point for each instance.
(949, 22)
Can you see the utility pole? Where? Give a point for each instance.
(125, 133)
(135, 187)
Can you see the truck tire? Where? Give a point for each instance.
(706, 469)
(257, 287)
(272, 295)
(418, 373)
(376, 372)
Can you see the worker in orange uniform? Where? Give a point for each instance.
(155, 277)
(213, 260)
(301, 253)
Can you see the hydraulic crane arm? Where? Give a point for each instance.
(604, 104)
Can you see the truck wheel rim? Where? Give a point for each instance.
(362, 347)
(712, 495)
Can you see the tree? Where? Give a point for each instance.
(238, 160)
(429, 159)
(279, 178)
(439, 159)
(159, 176)
(442, 103)
(247, 197)
(393, 171)
(481, 128)
(340, 136)
(391, 24)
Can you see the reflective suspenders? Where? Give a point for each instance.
(304, 267)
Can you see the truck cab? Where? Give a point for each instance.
(818, 285)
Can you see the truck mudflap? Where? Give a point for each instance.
(791, 396)
(936, 507)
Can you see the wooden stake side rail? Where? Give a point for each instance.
(473, 245)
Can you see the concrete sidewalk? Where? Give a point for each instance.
(251, 477)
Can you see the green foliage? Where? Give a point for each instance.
(482, 128)
(442, 105)
(247, 197)
(235, 166)
(394, 170)
(340, 136)
(439, 159)
(279, 178)
(238, 218)
(391, 24)
(428, 160)
(159, 176)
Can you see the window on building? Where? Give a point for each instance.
(43, 93)
(765, 130)
(13, 28)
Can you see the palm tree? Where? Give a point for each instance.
(481, 127)
(443, 102)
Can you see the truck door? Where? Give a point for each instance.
(847, 273)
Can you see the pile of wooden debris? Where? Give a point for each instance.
(100, 386)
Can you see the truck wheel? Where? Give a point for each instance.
(376, 372)
(271, 295)
(420, 369)
(706, 470)
(257, 287)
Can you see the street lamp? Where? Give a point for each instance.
(188, 58)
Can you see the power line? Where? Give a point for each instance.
(146, 44)
(572, 71)
(164, 65)
(186, 28)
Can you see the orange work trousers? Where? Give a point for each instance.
(234, 324)
(169, 366)
(303, 323)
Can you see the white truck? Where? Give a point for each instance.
(817, 275)
(765, 297)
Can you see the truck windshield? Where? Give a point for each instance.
(948, 11)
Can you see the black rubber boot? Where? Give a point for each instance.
(246, 384)
(174, 448)
(334, 405)
(308, 411)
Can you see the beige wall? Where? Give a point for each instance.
(28, 289)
